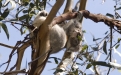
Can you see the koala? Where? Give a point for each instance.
(58, 37)
(74, 34)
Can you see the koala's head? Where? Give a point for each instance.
(43, 13)
(40, 18)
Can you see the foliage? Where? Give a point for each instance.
(89, 55)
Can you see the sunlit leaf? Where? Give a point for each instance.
(117, 46)
(37, 1)
(23, 30)
(105, 47)
(79, 37)
(84, 47)
(12, 2)
(6, 3)
(5, 29)
(119, 39)
(13, 5)
(101, 44)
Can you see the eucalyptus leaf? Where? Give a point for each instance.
(88, 66)
(105, 47)
(4, 27)
(117, 46)
(4, 14)
(84, 47)
(119, 39)
(56, 61)
(118, 8)
(44, 3)
(96, 39)
(110, 15)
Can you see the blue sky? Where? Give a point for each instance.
(97, 29)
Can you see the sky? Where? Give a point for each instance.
(97, 29)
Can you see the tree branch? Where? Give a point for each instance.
(68, 7)
(6, 45)
(102, 18)
(42, 41)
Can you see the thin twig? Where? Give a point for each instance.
(8, 46)
(110, 47)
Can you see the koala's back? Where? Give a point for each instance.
(58, 38)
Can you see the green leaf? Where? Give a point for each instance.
(26, 3)
(0, 5)
(96, 39)
(31, 5)
(118, 8)
(5, 29)
(102, 63)
(104, 47)
(79, 37)
(4, 14)
(44, 2)
(36, 3)
(23, 30)
(23, 17)
(110, 15)
(20, 18)
(119, 39)
(117, 46)
(25, 11)
(80, 58)
(106, 32)
(58, 70)
(84, 47)
(56, 61)
(88, 66)
(19, 12)
(83, 31)
(95, 48)
(76, 72)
